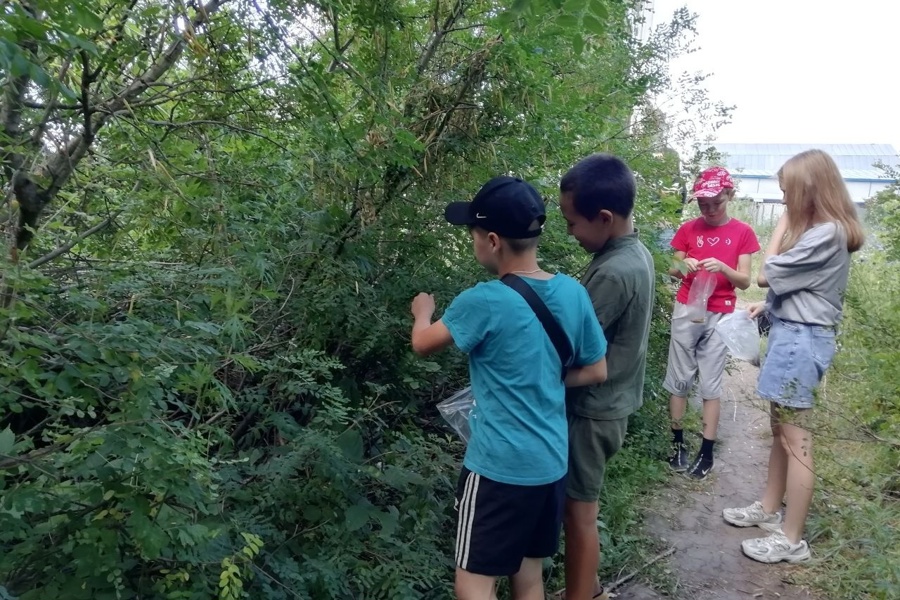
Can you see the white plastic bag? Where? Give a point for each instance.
(702, 288)
(741, 335)
(457, 410)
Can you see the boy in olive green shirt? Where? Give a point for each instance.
(597, 200)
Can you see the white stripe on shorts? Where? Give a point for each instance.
(466, 519)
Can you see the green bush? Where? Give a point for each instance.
(855, 515)
(206, 385)
(883, 216)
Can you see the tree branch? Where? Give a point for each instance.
(325, 96)
(456, 13)
(623, 580)
(474, 75)
(118, 34)
(12, 106)
(62, 164)
(11, 117)
(178, 125)
(338, 61)
(86, 80)
(72, 243)
(50, 105)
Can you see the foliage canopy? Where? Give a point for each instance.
(218, 214)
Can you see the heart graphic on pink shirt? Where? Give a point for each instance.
(712, 241)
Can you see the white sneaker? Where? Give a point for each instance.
(776, 548)
(752, 515)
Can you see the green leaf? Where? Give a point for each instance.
(7, 441)
(593, 25)
(67, 93)
(20, 65)
(389, 522)
(351, 444)
(39, 76)
(575, 7)
(568, 21)
(86, 18)
(248, 362)
(431, 366)
(578, 43)
(31, 26)
(600, 10)
(76, 41)
(357, 516)
(519, 6)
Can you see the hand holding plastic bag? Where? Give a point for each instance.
(702, 288)
(457, 410)
(741, 335)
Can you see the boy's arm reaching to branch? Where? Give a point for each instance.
(428, 337)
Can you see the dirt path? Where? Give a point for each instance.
(708, 563)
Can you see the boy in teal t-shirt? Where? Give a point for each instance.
(511, 492)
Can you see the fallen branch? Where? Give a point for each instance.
(623, 580)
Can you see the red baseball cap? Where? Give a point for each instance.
(711, 183)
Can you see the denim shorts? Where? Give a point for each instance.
(796, 360)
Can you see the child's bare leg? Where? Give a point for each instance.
(677, 407)
(528, 583)
(582, 549)
(470, 586)
(801, 479)
(776, 481)
(711, 410)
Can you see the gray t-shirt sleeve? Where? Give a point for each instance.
(799, 268)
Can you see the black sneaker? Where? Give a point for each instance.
(679, 459)
(701, 467)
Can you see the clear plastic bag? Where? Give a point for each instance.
(741, 334)
(457, 410)
(702, 287)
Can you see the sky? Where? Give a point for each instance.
(798, 71)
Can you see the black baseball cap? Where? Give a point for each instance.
(507, 206)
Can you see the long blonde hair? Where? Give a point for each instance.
(814, 192)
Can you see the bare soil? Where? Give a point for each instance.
(708, 563)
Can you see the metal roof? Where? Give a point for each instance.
(873, 175)
(766, 159)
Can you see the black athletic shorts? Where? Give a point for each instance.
(500, 524)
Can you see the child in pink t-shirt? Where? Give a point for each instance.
(712, 244)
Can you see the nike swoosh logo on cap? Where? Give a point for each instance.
(480, 216)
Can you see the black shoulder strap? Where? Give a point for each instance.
(556, 334)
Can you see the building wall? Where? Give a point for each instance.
(767, 213)
(757, 188)
(767, 189)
